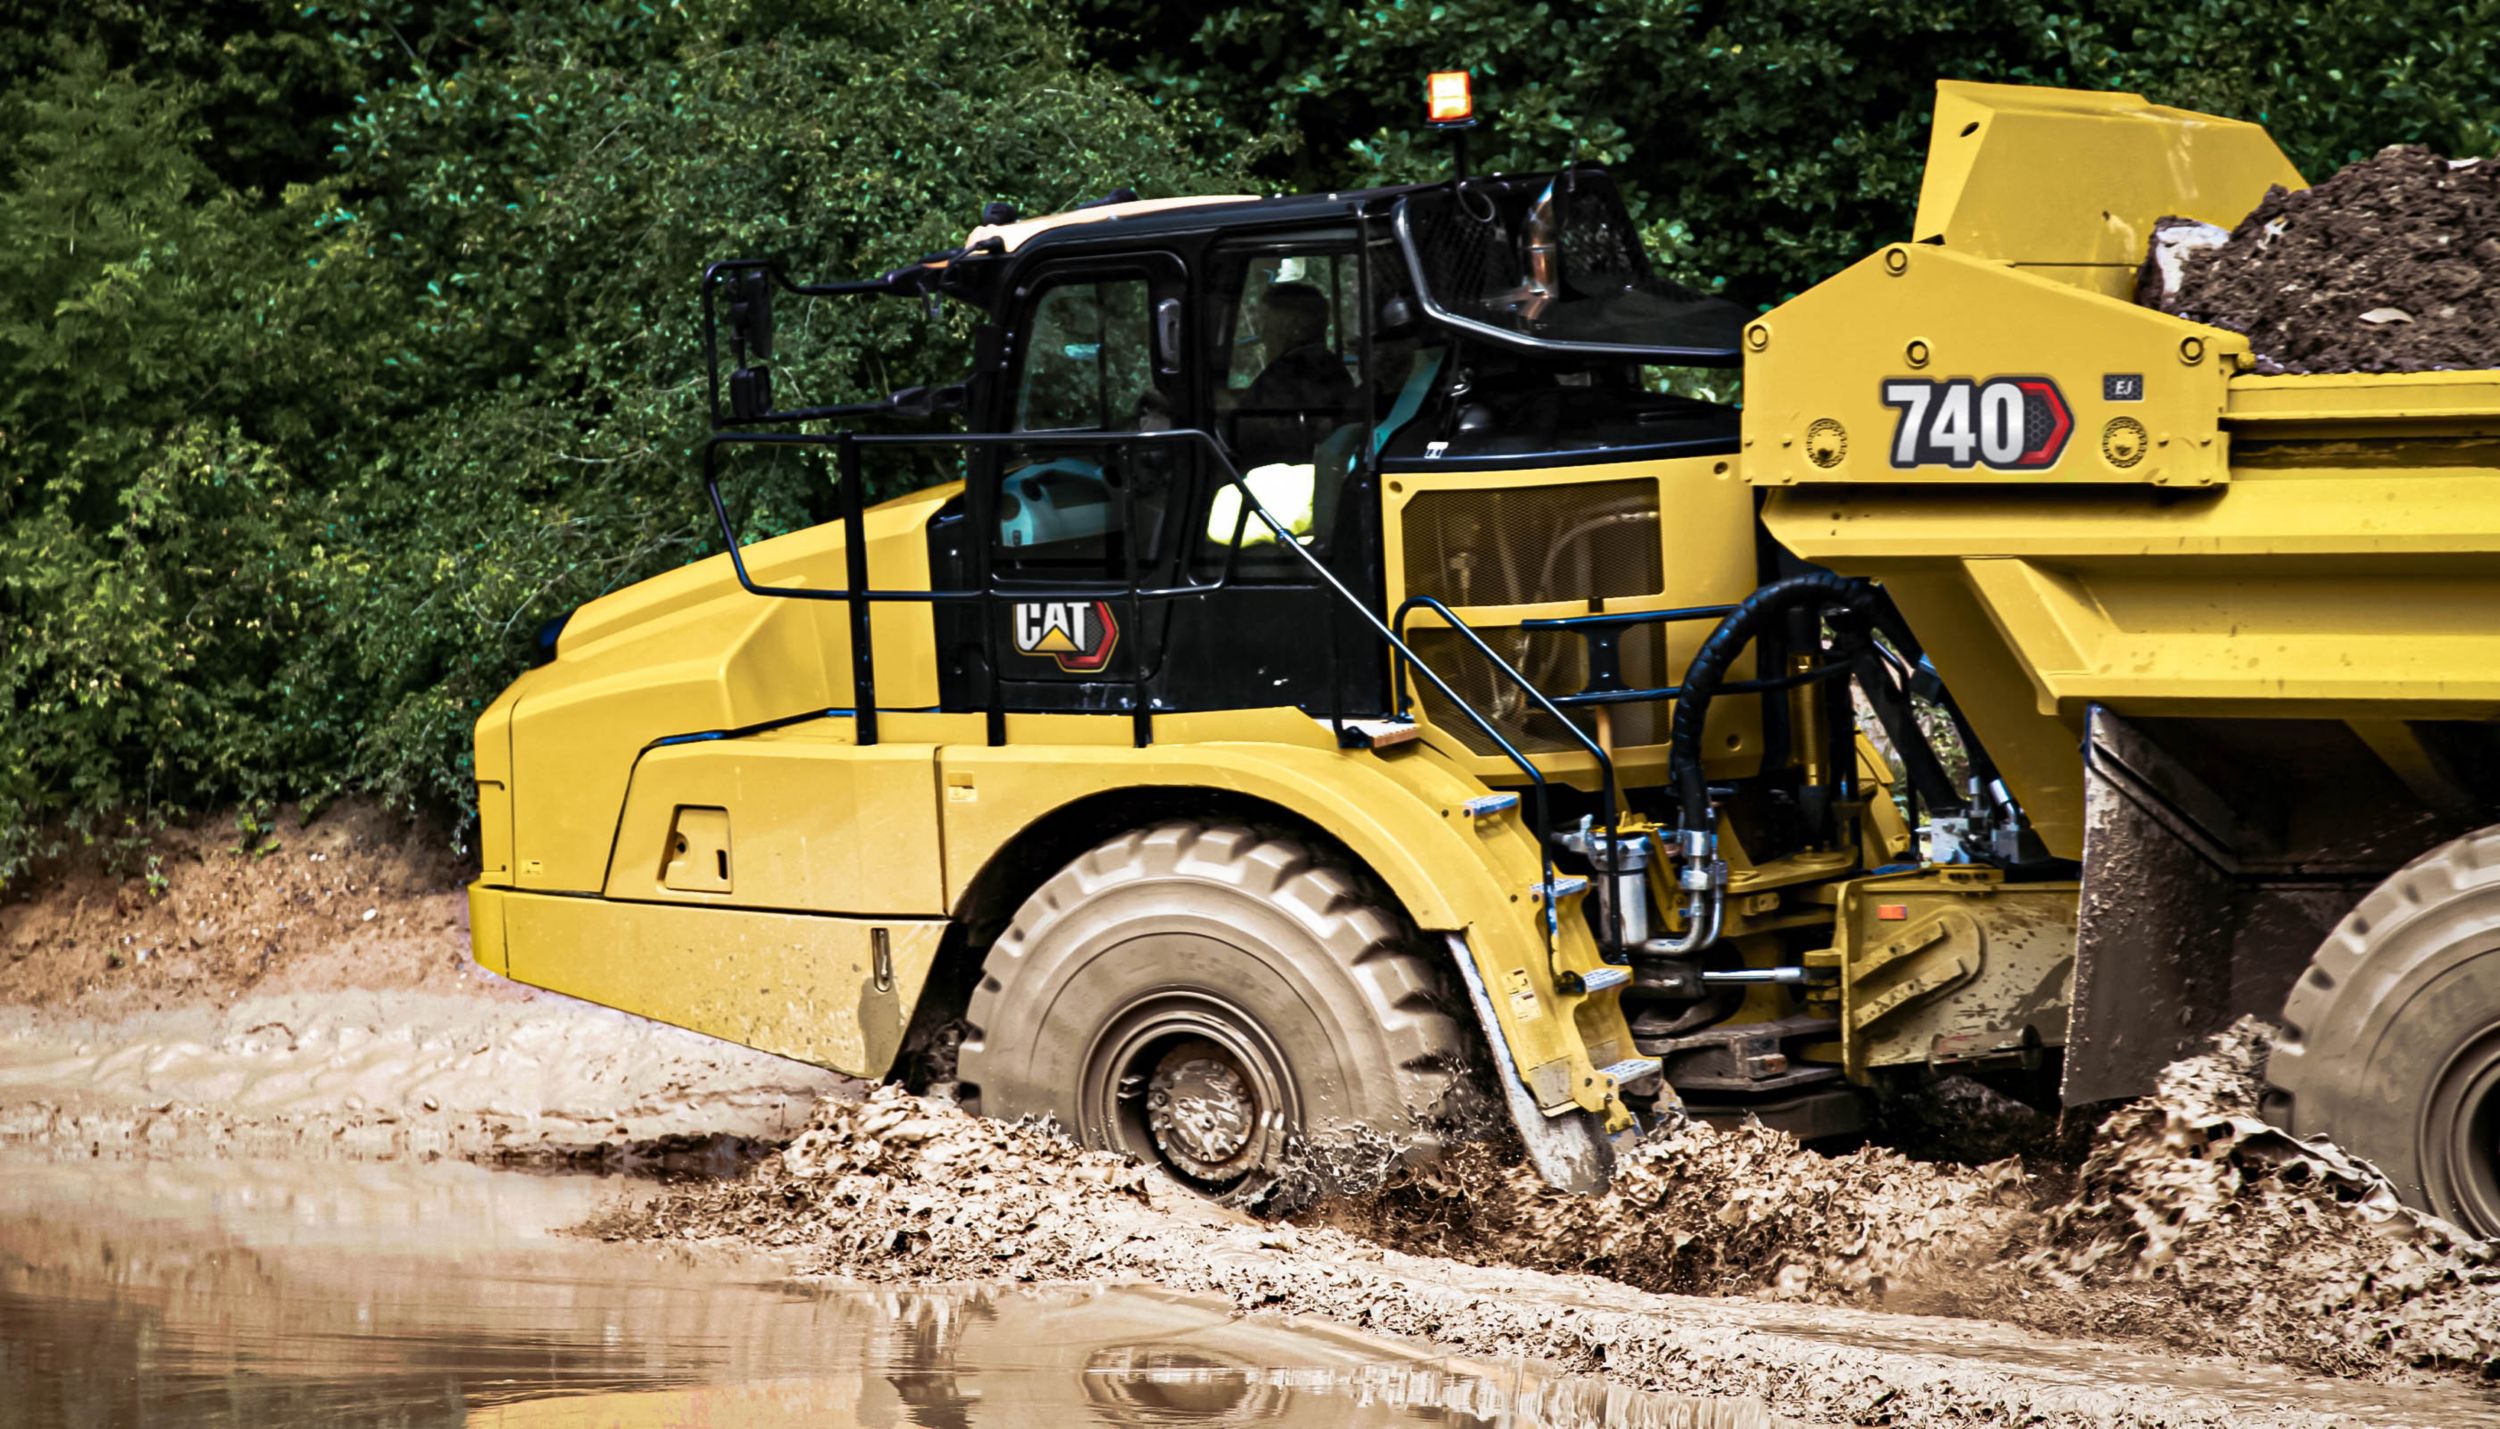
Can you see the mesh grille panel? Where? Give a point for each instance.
(1519, 545)
(1556, 662)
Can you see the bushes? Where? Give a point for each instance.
(343, 345)
(300, 443)
(1769, 142)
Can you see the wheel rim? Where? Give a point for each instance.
(1187, 1079)
(2461, 1136)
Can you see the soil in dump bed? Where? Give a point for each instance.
(2392, 265)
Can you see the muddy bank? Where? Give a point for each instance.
(2193, 1226)
(2389, 266)
(899, 1188)
(310, 995)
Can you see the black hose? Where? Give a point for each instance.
(1823, 589)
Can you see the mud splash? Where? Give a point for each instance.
(1476, 1255)
(2389, 266)
(2197, 1223)
(2192, 1225)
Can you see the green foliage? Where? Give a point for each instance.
(301, 441)
(343, 344)
(1767, 143)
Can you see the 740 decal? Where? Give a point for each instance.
(2008, 423)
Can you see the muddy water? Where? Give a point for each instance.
(224, 1293)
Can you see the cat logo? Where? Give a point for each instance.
(1077, 634)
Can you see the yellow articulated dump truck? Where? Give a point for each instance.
(1327, 687)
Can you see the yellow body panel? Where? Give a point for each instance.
(690, 651)
(1705, 536)
(812, 822)
(834, 991)
(1816, 370)
(2341, 559)
(2068, 183)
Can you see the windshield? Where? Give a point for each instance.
(1551, 262)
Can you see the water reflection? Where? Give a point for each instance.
(218, 1294)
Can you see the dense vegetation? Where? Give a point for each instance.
(343, 344)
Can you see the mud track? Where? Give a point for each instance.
(312, 1001)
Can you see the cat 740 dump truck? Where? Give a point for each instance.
(1332, 679)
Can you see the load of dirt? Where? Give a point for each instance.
(2389, 266)
(2193, 1226)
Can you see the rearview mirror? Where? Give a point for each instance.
(751, 343)
(751, 316)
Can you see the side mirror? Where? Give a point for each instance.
(751, 316)
(751, 343)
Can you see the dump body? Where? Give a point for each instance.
(2232, 639)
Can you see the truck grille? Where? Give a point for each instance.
(1579, 542)
(1520, 545)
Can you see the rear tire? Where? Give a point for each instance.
(2392, 1038)
(1202, 996)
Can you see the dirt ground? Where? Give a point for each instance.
(312, 995)
(312, 1000)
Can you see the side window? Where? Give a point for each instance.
(1089, 365)
(1288, 325)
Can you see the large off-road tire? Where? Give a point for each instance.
(1204, 995)
(2392, 1036)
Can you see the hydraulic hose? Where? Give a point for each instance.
(1701, 874)
(1710, 665)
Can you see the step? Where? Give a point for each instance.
(1485, 806)
(1570, 885)
(1631, 1069)
(1378, 733)
(1600, 979)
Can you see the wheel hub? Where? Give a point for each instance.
(1201, 1112)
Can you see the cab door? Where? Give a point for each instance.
(1075, 525)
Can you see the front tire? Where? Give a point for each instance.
(2392, 1037)
(1203, 996)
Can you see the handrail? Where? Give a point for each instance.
(1605, 762)
(859, 596)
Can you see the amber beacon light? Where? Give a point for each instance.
(1449, 98)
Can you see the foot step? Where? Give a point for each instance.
(1631, 1069)
(1485, 806)
(1567, 886)
(1600, 979)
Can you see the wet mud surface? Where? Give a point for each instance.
(231, 1130)
(243, 1294)
(311, 996)
(906, 1188)
(2391, 265)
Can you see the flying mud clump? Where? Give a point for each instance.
(2254, 1241)
(2392, 265)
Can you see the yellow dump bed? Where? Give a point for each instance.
(2077, 500)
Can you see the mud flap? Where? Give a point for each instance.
(2186, 920)
(1570, 1151)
